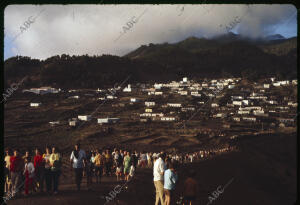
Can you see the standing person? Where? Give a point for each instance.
(99, 163)
(170, 178)
(39, 168)
(55, 163)
(158, 178)
(88, 170)
(132, 171)
(29, 173)
(190, 189)
(108, 163)
(134, 158)
(16, 168)
(127, 162)
(7, 171)
(47, 174)
(77, 159)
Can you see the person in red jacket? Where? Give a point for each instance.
(39, 168)
(16, 168)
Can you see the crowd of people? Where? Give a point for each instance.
(29, 174)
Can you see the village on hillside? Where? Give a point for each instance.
(229, 108)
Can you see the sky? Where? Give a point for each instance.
(118, 29)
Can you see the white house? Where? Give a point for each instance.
(184, 109)
(167, 119)
(243, 112)
(134, 100)
(85, 117)
(214, 105)
(149, 104)
(238, 119)
(174, 104)
(43, 90)
(111, 97)
(157, 86)
(127, 89)
(245, 102)
(35, 104)
(74, 97)
(148, 110)
(108, 120)
(237, 103)
(157, 114)
(276, 84)
(221, 115)
(272, 102)
(54, 123)
(73, 122)
(145, 115)
(250, 119)
(237, 97)
(258, 112)
(183, 92)
(266, 85)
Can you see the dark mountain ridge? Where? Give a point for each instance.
(221, 56)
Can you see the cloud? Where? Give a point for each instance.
(93, 29)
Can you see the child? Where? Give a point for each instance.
(29, 175)
(118, 171)
(190, 189)
(132, 170)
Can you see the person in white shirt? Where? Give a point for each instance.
(78, 161)
(132, 171)
(158, 178)
(29, 175)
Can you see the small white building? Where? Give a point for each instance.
(244, 112)
(214, 105)
(108, 120)
(127, 89)
(148, 110)
(250, 119)
(245, 102)
(149, 104)
(183, 92)
(184, 109)
(237, 119)
(239, 103)
(54, 123)
(85, 117)
(266, 85)
(73, 122)
(157, 86)
(221, 115)
(35, 104)
(74, 97)
(111, 97)
(167, 118)
(174, 104)
(134, 100)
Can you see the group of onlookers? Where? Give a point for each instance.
(30, 173)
